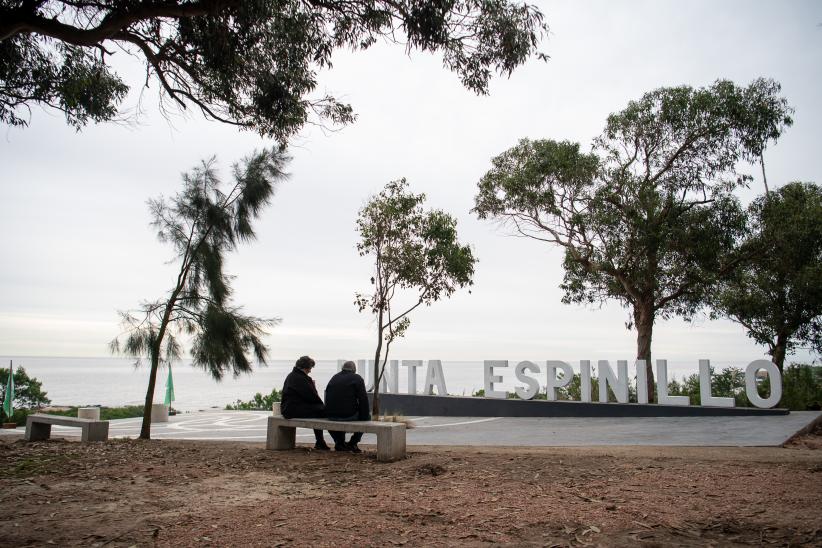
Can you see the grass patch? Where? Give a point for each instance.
(36, 466)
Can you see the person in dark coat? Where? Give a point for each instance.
(346, 400)
(301, 400)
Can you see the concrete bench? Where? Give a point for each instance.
(282, 433)
(38, 427)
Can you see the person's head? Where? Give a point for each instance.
(305, 363)
(349, 366)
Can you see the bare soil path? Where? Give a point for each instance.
(187, 493)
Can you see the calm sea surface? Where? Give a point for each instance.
(116, 381)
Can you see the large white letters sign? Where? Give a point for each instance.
(558, 374)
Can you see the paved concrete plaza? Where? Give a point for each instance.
(249, 426)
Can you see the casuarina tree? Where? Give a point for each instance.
(253, 64)
(777, 296)
(203, 222)
(647, 218)
(417, 261)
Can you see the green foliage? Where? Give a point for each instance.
(571, 392)
(257, 403)
(647, 218)
(28, 391)
(106, 413)
(729, 383)
(203, 223)
(802, 387)
(249, 63)
(65, 77)
(18, 417)
(777, 296)
(417, 257)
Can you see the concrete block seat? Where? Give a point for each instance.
(38, 427)
(281, 434)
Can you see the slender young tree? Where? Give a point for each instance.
(417, 260)
(777, 296)
(647, 218)
(203, 222)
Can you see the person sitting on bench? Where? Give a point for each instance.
(346, 400)
(300, 399)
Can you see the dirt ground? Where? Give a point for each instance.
(175, 493)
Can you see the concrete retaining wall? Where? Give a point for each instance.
(458, 406)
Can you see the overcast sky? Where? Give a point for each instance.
(76, 245)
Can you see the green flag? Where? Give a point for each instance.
(8, 402)
(169, 388)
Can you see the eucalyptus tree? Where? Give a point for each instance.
(253, 64)
(417, 261)
(777, 296)
(202, 223)
(647, 218)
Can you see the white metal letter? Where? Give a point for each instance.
(618, 382)
(434, 377)
(412, 366)
(532, 388)
(662, 396)
(552, 381)
(773, 376)
(366, 370)
(705, 395)
(585, 380)
(641, 382)
(490, 378)
(391, 378)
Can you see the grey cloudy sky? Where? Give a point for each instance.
(76, 245)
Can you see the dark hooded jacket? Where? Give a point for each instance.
(300, 398)
(345, 397)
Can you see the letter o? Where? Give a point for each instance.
(750, 384)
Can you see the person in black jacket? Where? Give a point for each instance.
(300, 398)
(346, 400)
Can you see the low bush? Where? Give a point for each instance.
(106, 413)
(19, 416)
(257, 403)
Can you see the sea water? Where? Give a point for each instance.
(118, 381)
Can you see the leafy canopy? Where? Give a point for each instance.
(28, 391)
(413, 249)
(647, 217)
(777, 296)
(253, 64)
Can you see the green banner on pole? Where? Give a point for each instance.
(8, 402)
(169, 388)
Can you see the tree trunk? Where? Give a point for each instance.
(779, 349)
(145, 430)
(375, 404)
(644, 323)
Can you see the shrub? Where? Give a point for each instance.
(28, 391)
(257, 403)
(106, 413)
(801, 387)
(19, 416)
